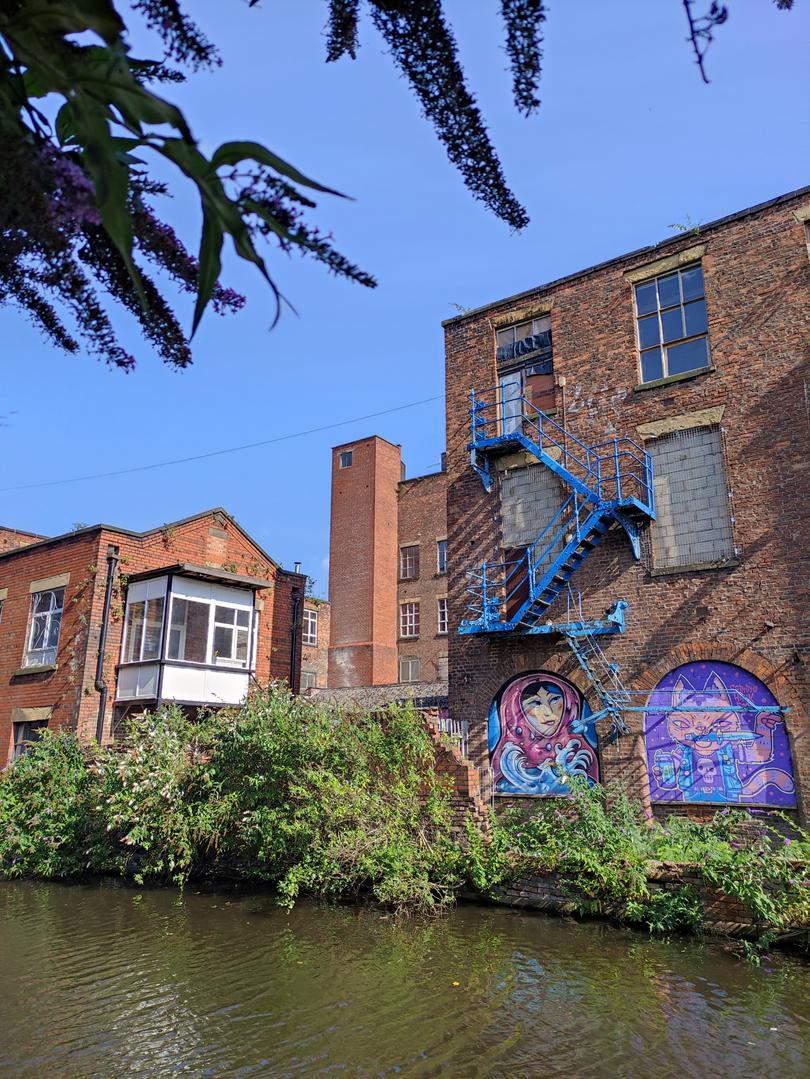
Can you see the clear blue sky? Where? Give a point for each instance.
(628, 141)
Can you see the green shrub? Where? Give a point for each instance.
(49, 824)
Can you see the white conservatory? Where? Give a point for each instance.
(189, 637)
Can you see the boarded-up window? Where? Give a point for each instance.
(693, 520)
(529, 499)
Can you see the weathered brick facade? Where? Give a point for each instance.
(375, 514)
(65, 692)
(751, 609)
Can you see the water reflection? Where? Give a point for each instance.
(106, 981)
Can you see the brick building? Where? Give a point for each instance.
(640, 433)
(103, 621)
(315, 644)
(387, 569)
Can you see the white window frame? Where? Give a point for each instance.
(230, 663)
(309, 673)
(409, 576)
(441, 545)
(410, 660)
(127, 626)
(441, 614)
(346, 459)
(409, 620)
(44, 657)
(310, 618)
(220, 660)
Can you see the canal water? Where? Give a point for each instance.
(105, 981)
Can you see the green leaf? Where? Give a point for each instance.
(230, 153)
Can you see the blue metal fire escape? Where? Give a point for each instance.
(610, 484)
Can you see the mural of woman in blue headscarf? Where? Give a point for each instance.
(540, 735)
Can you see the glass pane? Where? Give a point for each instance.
(53, 629)
(541, 325)
(695, 316)
(44, 601)
(668, 291)
(224, 614)
(523, 331)
(672, 324)
(651, 367)
(38, 628)
(505, 337)
(132, 648)
(189, 636)
(223, 642)
(243, 618)
(648, 331)
(242, 645)
(154, 627)
(689, 356)
(645, 298)
(692, 283)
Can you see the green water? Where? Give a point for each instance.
(105, 981)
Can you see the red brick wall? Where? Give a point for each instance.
(316, 657)
(12, 538)
(363, 564)
(757, 279)
(423, 521)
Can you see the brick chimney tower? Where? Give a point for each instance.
(363, 553)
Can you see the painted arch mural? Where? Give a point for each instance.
(540, 733)
(701, 750)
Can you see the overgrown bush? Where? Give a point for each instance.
(279, 791)
(602, 846)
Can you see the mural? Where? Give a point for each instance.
(540, 733)
(702, 752)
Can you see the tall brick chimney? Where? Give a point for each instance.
(363, 553)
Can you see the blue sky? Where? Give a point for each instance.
(627, 142)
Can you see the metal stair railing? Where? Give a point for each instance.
(605, 678)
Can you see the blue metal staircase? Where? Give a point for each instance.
(610, 483)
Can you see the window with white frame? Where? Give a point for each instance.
(441, 556)
(442, 615)
(143, 630)
(409, 562)
(43, 633)
(672, 325)
(310, 626)
(409, 619)
(309, 680)
(231, 636)
(345, 459)
(410, 668)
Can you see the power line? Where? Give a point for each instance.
(220, 453)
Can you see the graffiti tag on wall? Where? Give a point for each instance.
(715, 743)
(540, 734)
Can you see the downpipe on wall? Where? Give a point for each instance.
(101, 685)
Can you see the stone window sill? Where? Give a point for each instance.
(670, 380)
(668, 571)
(21, 672)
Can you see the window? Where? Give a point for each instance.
(188, 630)
(410, 668)
(442, 606)
(143, 630)
(409, 619)
(693, 523)
(441, 556)
(672, 326)
(2, 601)
(441, 669)
(231, 634)
(346, 459)
(46, 620)
(310, 626)
(309, 680)
(525, 370)
(409, 563)
(25, 734)
(210, 633)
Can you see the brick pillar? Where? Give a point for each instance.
(363, 563)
